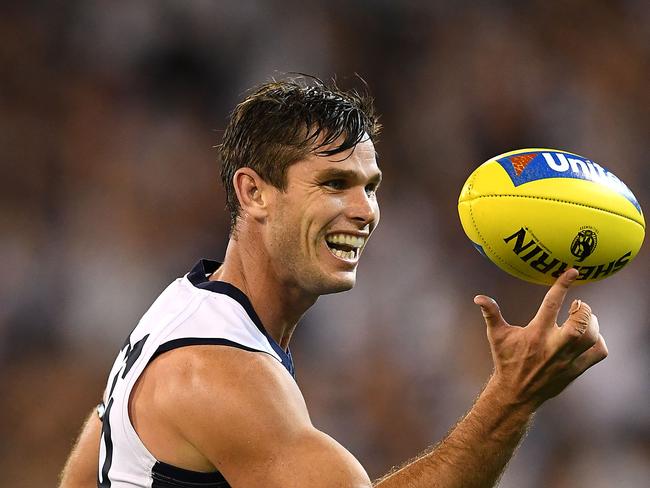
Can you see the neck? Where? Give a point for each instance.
(279, 305)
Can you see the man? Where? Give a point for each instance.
(202, 393)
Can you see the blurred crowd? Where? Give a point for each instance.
(109, 114)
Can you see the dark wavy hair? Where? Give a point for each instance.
(282, 122)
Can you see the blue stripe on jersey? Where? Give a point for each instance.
(167, 476)
(199, 278)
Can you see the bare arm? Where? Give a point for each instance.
(474, 454)
(532, 364)
(245, 415)
(80, 469)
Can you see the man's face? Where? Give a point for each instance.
(319, 225)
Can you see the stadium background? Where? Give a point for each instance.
(109, 112)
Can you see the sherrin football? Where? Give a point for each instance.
(536, 212)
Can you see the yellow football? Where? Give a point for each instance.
(537, 212)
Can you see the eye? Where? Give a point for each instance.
(336, 184)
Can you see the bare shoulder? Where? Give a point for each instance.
(244, 412)
(216, 381)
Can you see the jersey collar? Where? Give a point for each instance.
(199, 277)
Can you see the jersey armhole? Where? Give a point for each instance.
(166, 475)
(200, 341)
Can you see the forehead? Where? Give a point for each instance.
(361, 159)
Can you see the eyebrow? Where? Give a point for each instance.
(347, 174)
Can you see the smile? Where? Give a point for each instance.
(345, 246)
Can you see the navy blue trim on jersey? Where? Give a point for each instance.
(199, 278)
(167, 476)
(199, 341)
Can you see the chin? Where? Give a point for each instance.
(338, 284)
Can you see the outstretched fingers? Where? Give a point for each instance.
(591, 356)
(491, 312)
(581, 324)
(580, 332)
(550, 307)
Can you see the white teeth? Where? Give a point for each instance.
(347, 239)
(349, 255)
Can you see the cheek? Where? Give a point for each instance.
(304, 221)
(282, 227)
(331, 207)
(319, 212)
(293, 230)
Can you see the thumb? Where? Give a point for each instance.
(491, 312)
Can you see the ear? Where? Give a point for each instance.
(252, 192)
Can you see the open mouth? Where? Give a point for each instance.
(345, 246)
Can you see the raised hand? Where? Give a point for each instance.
(536, 362)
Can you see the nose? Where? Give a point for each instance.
(362, 207)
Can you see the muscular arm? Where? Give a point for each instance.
(475, 452)
(532, 364)
(244, 414)
(80, 469)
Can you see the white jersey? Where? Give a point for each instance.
(191, 311)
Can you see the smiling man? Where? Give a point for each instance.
(202, 393)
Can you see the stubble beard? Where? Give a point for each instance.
(304, 269)
(308, 272)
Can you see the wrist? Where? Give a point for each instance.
(498, 417)
(501, 393)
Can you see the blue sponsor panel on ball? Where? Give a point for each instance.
(525, 167)
(535, 212)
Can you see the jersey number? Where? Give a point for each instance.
(129, 354)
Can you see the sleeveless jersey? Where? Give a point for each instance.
(191, 311)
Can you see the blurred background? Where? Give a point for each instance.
(109, 111)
